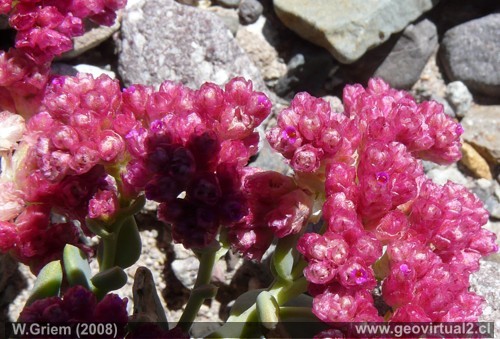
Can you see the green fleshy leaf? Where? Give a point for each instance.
(302, 300)
(244, 301)
(268, 310)
(48, 282)
(283, 258)
(129, 245)
(109, 280)
(77, 267)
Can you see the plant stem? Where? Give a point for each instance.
(280, 290)
(109, 252)
(202, 289)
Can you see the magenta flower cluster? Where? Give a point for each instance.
(384, 220)
(45, 28)
(186, 149)
(92, 149)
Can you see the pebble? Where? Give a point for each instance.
(475, 162)
(459, 98)
(250, 11)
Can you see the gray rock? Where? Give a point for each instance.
(411, 52)
(493, 226)
(162, 40)
(228, 3)
(481, 126)
(486, 283)
(470, 53)
(489, 192)
(448, 110)
(459, 97)
(270, 160)
(249, 11)
(348, 28)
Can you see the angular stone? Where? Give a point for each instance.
(348, 28)
(470, 53)
(411, 52)
(162, 40)
(228, 16)
(486, 283)
(482, 126)
(475, 162)
(94, 36)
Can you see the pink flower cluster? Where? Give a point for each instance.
(45, 28)
(190, 150)
(22, 83)
(277, 207)
(310, 135)
(377, 195)
(61, 167)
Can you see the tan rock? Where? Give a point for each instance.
(475, 162)
(481, 126)
(262, 54)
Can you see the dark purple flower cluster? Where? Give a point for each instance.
(78, 305)
(189, 152)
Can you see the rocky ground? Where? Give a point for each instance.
(448, 51)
